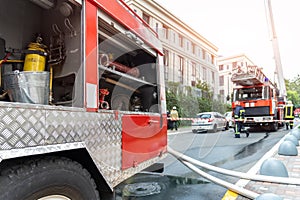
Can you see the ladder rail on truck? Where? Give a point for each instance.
(83, 109)
(258, 95)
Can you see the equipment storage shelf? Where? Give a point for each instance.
(109, 72)
(127, 68)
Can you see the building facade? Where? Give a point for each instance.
(226, 64)
(188, 56)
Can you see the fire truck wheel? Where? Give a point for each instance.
(274, 126)
(47, 179)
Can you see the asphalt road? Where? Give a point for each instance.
(220, 149)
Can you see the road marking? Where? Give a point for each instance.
(229, 195)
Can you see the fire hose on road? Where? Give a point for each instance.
(190, 163)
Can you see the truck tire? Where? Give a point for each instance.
(59, 178)
(273, 126)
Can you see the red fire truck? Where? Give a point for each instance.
(82, 98)
(259, 96)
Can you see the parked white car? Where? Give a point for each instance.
(208, 122)
(229, 119)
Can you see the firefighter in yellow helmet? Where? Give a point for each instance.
(289, 115)
(174, 118)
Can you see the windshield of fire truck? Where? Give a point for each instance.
(251, 93)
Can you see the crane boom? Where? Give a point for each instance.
(279, 71)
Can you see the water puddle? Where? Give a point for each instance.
(246, 151)
(250, 149)
(152, 186)
(141, 189)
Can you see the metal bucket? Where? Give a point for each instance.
(27, 86)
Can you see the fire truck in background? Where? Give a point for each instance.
(82, 98)
(263, 101)
(259, 96)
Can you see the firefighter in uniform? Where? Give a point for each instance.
(289, 115)
(239, 115)
(174, 118)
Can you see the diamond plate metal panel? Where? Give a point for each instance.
(21, 127)
(42, 126)
(101, 133)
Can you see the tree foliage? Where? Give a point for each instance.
(293, 90)
(188, 104)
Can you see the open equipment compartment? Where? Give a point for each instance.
(57, 24)
(126, 70)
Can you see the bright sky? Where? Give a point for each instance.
(240, 26)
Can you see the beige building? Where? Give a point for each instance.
(226, 64)
(189, 56)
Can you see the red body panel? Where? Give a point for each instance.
(143, 137)
(91, 51)
(120, 11)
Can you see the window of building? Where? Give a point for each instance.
(156, 27)
(199, 51)
(213, 77)
(187, 45)
(193, 69)
(194, 48)
(212, 59)
(180, 37)
(203, 54)
(146, 18)
(181, 69)
(166, 70)
(181, 63)
(166, 57)
(234, 65)
(166, 63)
(174, 37)
(204, 74)
(221, 67)
(221, 80)
(199, 71)
(166, 31)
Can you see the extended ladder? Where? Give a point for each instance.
(248, 75)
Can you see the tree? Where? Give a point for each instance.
(171, 95)
(188, 105)
(205, 88)
(293, 90)
(205, 101)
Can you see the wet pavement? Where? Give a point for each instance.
(178, 182)
(149, 186)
